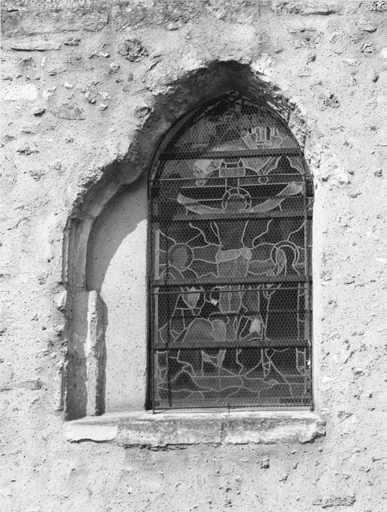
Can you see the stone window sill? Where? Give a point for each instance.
(188, 428)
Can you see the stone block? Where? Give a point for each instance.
(16, 23)
(335, 501)
(307, 7)
(168, 429)
(136, 14)
(68, 111)
(241, 428)
(172, 430)
(31, 45)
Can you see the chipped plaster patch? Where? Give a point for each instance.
(191, 63)
(26, 92)
(263, 65)
(99, 433)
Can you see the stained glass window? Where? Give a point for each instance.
(230, 259)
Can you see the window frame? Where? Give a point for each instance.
(308, 210)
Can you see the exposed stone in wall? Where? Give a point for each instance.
(43, 22)
(335, 501)
(31, 45)
(172, 16)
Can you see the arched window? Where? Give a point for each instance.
(230, 262)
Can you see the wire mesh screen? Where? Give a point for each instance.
(231, 207)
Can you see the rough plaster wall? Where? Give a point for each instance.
(117, 269)
(329, 59)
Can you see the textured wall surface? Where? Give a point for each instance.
(88, 91)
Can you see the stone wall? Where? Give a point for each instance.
(89, 90)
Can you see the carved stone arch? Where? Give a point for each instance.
(85, 376)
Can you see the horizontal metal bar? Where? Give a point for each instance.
(231, 280)
(254, 405)
(180, 292)
(299, 195)
(219, 315)
(221, 186)
(235, 217)
(212, 155)
(233, 345)
(287, 174)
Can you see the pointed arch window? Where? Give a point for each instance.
(230, 262)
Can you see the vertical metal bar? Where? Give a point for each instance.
(153, 362)
(153, 309)
(168, 316)
(308, 285)
(310, 308)
(150, 355)
(156, 253)
(298, 312)
(155, 302)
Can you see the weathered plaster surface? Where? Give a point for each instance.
(87, 95)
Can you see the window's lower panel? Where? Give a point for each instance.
(232, 377)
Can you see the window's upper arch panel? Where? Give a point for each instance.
(227, 149)
(231, 126)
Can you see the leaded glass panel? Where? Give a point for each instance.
(231, 205)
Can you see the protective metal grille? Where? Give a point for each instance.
(231, 206)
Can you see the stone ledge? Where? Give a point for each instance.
(188, 428)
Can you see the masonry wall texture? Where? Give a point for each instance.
(89, 90)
